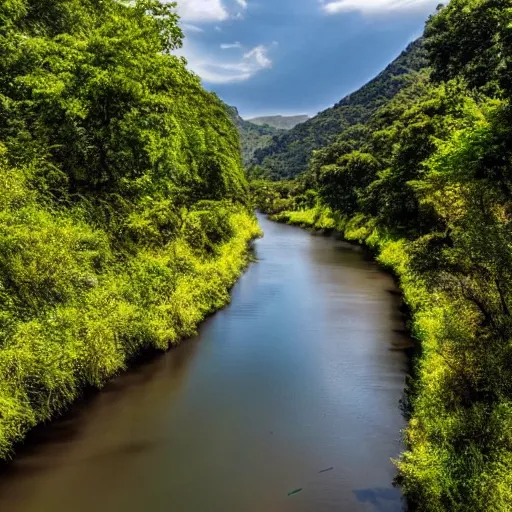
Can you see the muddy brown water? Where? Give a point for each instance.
(302, 373)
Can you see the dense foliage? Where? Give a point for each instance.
(252, 136)
(122, 198)
(427, 183)
(288, 154)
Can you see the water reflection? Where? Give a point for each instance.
(303, 372)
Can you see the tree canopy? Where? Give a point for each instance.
(122, 198)
(425, 181)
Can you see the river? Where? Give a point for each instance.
(295, 385)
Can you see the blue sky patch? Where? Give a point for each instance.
(295, 56)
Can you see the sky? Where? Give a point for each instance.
(290, 57)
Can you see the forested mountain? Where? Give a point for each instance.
(280, 122)
(123, 217)
(257, 134)
(289, 153)
(252, 136)
(426, 183)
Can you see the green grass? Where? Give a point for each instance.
(75, 311)
(434, 317)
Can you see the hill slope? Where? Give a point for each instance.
(279, 122)
(252, 136)
(289, 153)
(122, 217)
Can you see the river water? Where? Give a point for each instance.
(303, 372)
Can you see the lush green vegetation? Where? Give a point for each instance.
(122, 199)
(258, 134)
(427, 183)
(252, 136)
(288, 154)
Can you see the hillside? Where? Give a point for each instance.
(288, 154)
(279, 122)
(252, 136)
(122, 200)
(427, 185)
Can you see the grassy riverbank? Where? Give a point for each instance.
(124, 216)
(91, 312)
(436, 318)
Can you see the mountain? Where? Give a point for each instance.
(288, 154)
(279, 122)
(252, 136)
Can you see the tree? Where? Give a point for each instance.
(342, 184)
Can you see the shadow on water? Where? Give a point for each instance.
(381, 499)
(303, 371)
(31, 455)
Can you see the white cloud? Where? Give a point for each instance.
(228, 46)
(222, 72)
(374, 6)
(187, 27)
(207, 10)
(202, 10)
(259, 55)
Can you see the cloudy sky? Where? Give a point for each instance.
(294, 56)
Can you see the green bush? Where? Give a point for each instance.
(122, 199)
(428, 187)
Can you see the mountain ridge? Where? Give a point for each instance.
(288, 154)
(279, 121)
(252, 136)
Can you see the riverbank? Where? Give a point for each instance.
(150, 301)
(421, 467)
(294, 384)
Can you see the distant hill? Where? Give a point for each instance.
(279, 122)
(288, 154)
(252, 136)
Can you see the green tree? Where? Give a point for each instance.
(342, 184)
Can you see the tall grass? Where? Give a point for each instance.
(74, 310)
